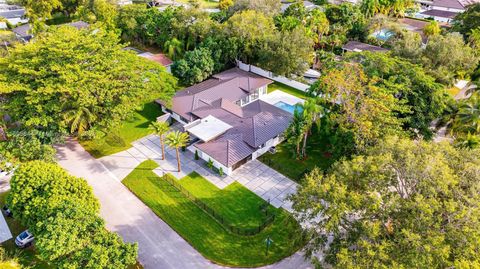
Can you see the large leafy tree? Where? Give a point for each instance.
(395, 8)
(404, 204)
(71, 80)
(360, 112)
(467, 118)
(424, 98)
(287, 53)
(196, 66)
(62, 213)
(467, 21)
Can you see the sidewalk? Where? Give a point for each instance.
(254, 175)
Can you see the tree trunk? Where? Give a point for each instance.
(178, 159)
(304, 147)
(162, 145)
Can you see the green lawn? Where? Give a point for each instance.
(26, 257)
(202, 231)
(238, 205)
(284, 88)
(284, 162)
(118, 139)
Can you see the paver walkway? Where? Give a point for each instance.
(160, 247)
(256, 176)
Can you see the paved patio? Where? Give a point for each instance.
(254, 175)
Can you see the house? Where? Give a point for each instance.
(443, 10)
(13, 14)
(159, 58)
(23, 32)
(227, 122)
(355, 46)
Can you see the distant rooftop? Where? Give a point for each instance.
(439, 13)
(356, 46)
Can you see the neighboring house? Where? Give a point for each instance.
(14, 14)
(23, 32)
(355, 46)
(443, 10)
(227, 121)
(159, 58)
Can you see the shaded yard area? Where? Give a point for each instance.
(26, 257)
(284, 88)
(118, 139)
(202, 231)
(203, 3)
(284, 162)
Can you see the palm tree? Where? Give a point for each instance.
(177, 140)
(79, 119)
(160, 129)
(174, 48)
(468, 116)
(312, 112)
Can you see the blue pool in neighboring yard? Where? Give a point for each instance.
(289, 108)
(383, 34)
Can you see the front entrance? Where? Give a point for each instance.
(241, 162)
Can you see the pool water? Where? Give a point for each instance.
(383, 34)
(289, 108)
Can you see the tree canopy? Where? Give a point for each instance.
(74, 80)
(404, 204)
(62, 213)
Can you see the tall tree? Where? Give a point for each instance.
(432, 28)
(67, 69)
(404, 204)
(174, 48)
(160, 129)
(448, 57)
(466, 21)
(196, 66)
(177, 140)
(287, 53)
(360, 111)
(423, 98)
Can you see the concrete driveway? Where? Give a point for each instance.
(159, 245)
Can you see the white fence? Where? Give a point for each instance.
(257, 70)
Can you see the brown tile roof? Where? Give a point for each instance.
(252, 125)
(259, 123)
(231, 85)
(359, 46)
(440, 13)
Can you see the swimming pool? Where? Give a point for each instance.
(383, 34)
(289, 108)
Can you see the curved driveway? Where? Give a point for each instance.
(159, 245)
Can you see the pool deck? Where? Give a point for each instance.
(280, 96)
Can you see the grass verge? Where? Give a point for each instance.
(119, 139)
(202, 231)
(284, 88)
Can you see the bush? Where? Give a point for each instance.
(210, 163)
(88, 135)
(220, 171)
(196, 155)
(196, 66)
